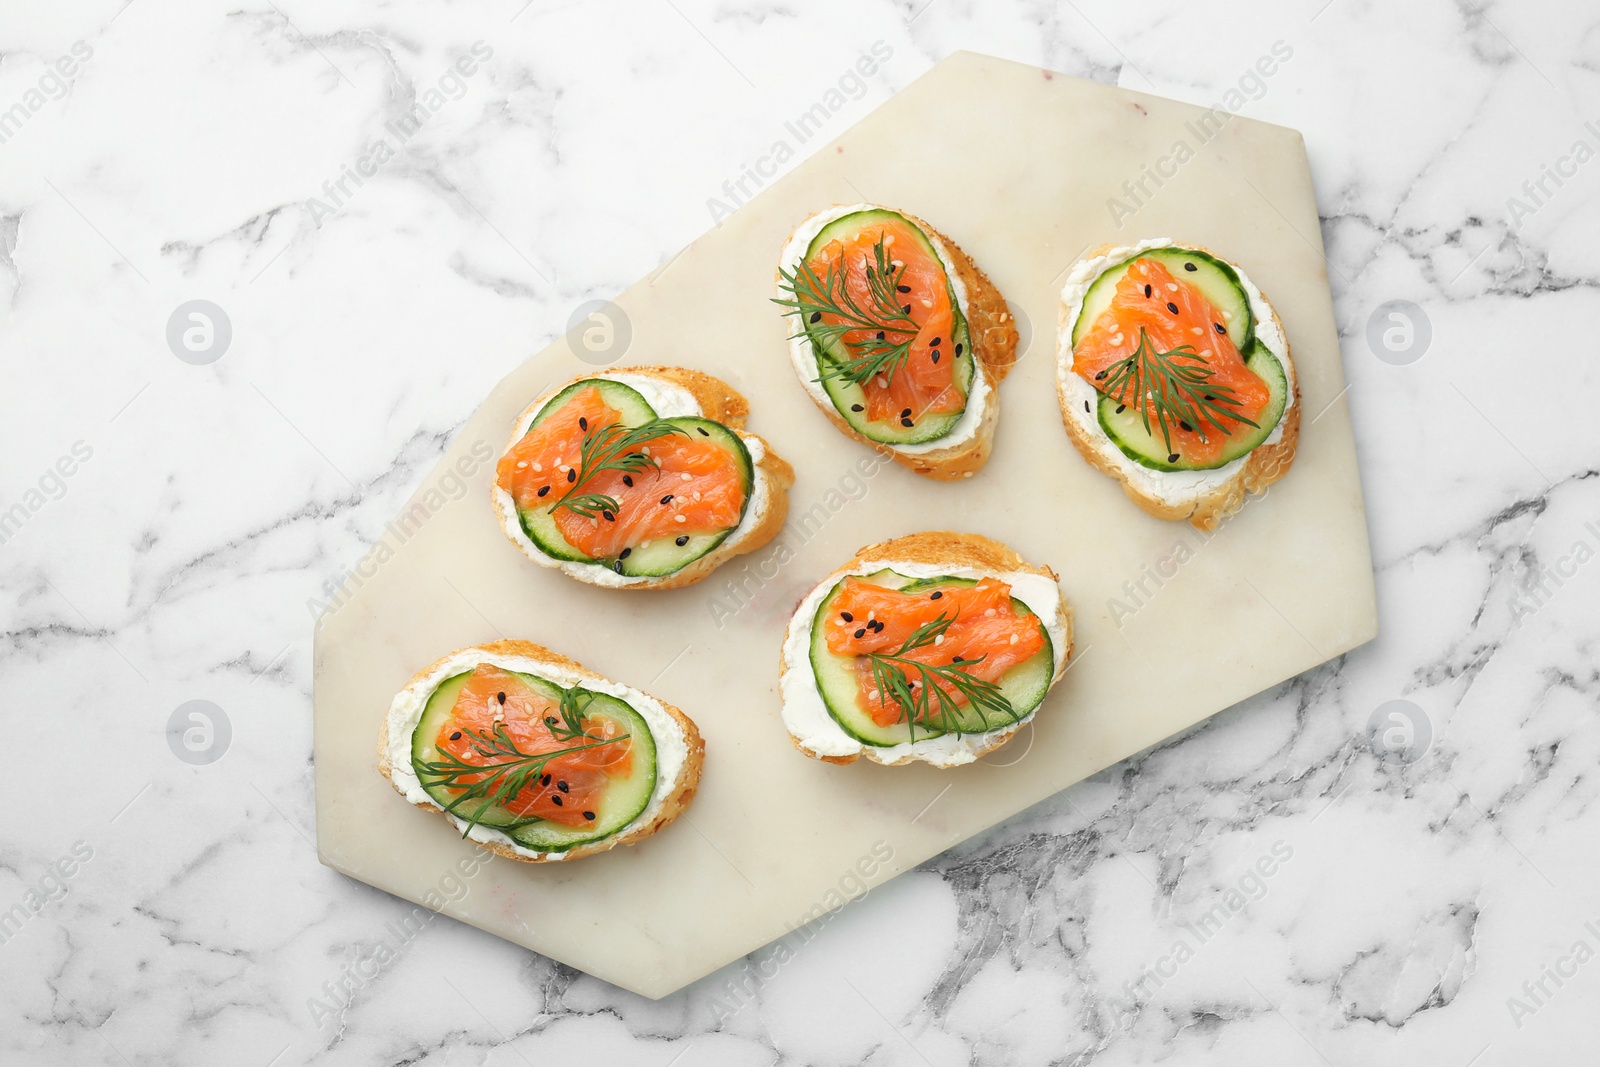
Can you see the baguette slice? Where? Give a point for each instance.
(994, 343)
(717, 401)
(1206, 501)
(811, 728)
(673, 791)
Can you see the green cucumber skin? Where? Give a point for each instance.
(844, 394)
(664, 557)
(1241, 331)
(543, 835)
(1028, 682)
(1127, 433)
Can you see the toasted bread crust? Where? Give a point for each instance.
(1205, 511)
(940, 547)
(994, 344)
(673, 804)
(719, 402)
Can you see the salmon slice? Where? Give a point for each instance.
(926, 383)
(697, 488)
(987, 635)
(1172, 313)
(571, 785)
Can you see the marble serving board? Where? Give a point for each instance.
(1172, 625)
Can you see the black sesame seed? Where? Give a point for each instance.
(846, 616)
(903, 288)
(935, 342)
(877, 625)
(937, 593)
(589, 815)
(683, 540)
(667, 499)
(543, 489)
(906, 308)
(880, 335)
(1172, 458)
(563, 787)
(1172, 307)
(549, 720)
(958, 349)
(1099, 376)
(555, 798)
(501, 697)
(1186, 427)
(627, 479)
(455, 735)
(1210, 397)
(1085, 405)
(955, 659)
(907, 422)
(1190, 266)
(856, 407)
(608, 516)
(1121, 408)
(936, 355)
(815, 315)
(625, 553)
(905, 412)
(1219, 327)
(546, 779)
(861, 632)
(572, 475)
(583, 423)
(617, 566)
(703, 431)
(1147, 290)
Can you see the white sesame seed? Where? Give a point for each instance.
(1172, 287)
(1013, 639)
(872, 616)
(1003, 316)
(679, 518)
(697, 494)
(939, 640)
(538, 466)
(687, 476)
(990, 612)
(927, 303)
(521, 464)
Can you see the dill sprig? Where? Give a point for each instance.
(506, 770)
(925, 698)
(891, 326)
(615, 448)
(1173, 386)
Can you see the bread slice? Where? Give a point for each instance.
(950, 553)
(994, 344)
(719, 402)
(1207, 502)
(672, 795)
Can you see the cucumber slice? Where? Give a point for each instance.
(621, 803)
(850, 399)
(635, 409)
(1216, 280)
(423, 750)
(1146, 448)
(1024, 685)
(665, 555)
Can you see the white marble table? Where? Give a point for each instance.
(1274, 888)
